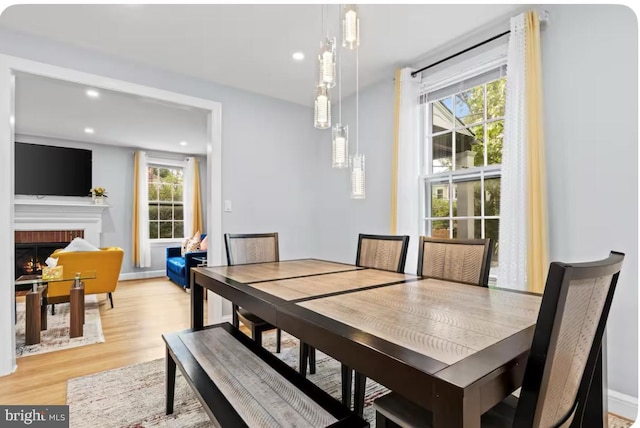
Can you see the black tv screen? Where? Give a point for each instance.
(49, 170)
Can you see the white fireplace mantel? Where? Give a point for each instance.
(58, 214)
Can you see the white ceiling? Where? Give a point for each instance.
(55, 108)
(250, 46)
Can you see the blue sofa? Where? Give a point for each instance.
(178, 267)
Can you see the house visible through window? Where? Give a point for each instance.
(166, 215)
(464, 126)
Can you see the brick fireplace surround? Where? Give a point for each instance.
(42, 236)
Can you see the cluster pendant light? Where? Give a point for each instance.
(340, 156)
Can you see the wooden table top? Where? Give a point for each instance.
(321, 285)
(276, 270)
(442, 320)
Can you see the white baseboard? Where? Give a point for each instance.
(623, 405)
(142, 275)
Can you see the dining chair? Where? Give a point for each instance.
(562, 360)
(245, 249)
(383, 252)
(460, 260)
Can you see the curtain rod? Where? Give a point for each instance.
(544, 17)
(477, 45)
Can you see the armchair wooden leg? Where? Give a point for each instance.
(53, 309)
(278, 339)
(111, 299)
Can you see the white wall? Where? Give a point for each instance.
(338, 218)
(268, 145)
(590, 71)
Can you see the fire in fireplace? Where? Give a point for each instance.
(33, 248)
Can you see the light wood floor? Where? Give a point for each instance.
(143, 311)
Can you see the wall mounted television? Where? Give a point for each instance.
(50, 170)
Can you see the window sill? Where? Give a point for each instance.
(165, 242)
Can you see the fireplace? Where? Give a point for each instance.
(34, 246)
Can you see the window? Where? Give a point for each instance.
(464, 127)
(166, 215)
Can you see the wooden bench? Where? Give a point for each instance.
(240, 384)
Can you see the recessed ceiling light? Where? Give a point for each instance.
(298, 56)
(12, 120)
(89, 130)
(92, 93)
(183, 143)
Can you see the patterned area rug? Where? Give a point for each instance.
(134, 396)
(56, 336)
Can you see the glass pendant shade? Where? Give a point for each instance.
(327, 60)
(340, 147)
(350, 27)
(322, 111)
(357, 176)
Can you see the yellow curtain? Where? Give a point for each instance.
(537, 263)
(197, 203)
(136, 214)
(394, 157)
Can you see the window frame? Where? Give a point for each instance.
(167, 164)
(427, 178)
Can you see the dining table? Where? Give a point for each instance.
(452, 348)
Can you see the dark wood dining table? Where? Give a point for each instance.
(452, 348)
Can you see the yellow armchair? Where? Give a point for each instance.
(106, 262)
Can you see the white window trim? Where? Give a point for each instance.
(485, 62)
(163, 163)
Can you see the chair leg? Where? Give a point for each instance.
(53, 309)
(303, 359)
(111, 299)
(312, 360)
(346, 386)
(278, 337)
(358, 393)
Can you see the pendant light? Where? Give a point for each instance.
(350, 27)
(340, 134)
(357, 160)
(322, 110)
(327, 56)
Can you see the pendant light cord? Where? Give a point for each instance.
(357, 102)
(339, 59)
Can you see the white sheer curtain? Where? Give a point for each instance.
(188, 196)
(513, 197)
(142, 249)
(408, 168)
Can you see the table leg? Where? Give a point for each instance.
(43, 309)
(171, 381)
(346, 385)
(303, 358)
(76, 298)
(358, 393)
(454, 407)
(33, 323)
(197, 304)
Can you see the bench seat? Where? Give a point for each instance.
(241, 384)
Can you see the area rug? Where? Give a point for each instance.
(134, 396)
(56, 336)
